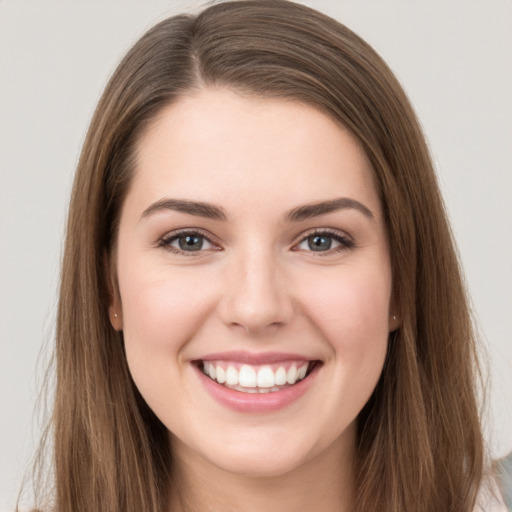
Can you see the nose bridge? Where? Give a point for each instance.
(257, 297)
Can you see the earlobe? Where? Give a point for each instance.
(394, 322)
(395, 311)
(115, 318)
(114, 310)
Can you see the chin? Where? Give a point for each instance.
(262, 459)
(260, 467)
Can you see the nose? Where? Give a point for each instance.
(257, 298)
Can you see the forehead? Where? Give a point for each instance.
(219, 144)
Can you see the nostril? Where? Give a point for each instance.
(257, 304)
(254, 327)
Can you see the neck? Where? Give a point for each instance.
(323, 484)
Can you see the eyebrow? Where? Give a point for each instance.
(309, 211)
(196, 208)
(211, 211)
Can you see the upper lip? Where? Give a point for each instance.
(253, 358)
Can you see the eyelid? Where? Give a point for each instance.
(165, 240)
(344, 239)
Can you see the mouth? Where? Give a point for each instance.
(247, 378)
(246, 383)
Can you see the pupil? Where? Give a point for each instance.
(319, 243)
(191, 243)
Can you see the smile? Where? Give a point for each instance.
(256, 379)
(256, 383)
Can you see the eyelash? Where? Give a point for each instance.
(166, 240)
(345, 242)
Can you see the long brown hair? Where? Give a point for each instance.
(419, 440)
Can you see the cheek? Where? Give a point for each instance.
(354, 320)
(161, 306)
(162, 311)
(350, 302)
(351, 310)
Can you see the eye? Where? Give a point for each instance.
(325, 241)
(186, 242)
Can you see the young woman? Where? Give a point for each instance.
(261, 306)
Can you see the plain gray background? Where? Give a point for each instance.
(454, 59)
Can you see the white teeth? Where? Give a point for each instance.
(301, 372)
(291, 376)
(266, 378)
(280, 379)
(231, 376)
(247, 376)
(221, 375)
(256, 390)
(255, 380)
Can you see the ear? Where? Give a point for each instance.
(395, 313)
(395, 320)
(114, 309)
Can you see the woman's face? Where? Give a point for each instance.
(252, 247)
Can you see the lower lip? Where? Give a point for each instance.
(257, 402)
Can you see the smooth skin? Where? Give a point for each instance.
(255, 279)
